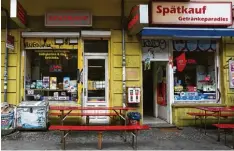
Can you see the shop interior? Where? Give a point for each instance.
(195, 78)
(96, 80)
(51, 75)
(154, 93)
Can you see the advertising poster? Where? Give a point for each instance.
(231, 73)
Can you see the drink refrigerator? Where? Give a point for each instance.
(32, 115)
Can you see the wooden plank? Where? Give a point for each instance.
(99, 128)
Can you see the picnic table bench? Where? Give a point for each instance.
(116, 111)
(100, 129)
(214, 111)
(225, 127)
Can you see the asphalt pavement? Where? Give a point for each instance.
(155, 139)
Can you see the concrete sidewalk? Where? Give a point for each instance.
(154, 139)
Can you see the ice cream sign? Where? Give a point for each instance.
(192, 13)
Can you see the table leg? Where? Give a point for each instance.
(125, 123)
(133, 140)
(63, 141)
(201, 126)
(219, 116)
(87, 120)
(218, 135)
(233, 138)
(99, 140)
(136, 147)
(205, 122)
(63, 133)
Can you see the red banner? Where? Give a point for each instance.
(181, 62)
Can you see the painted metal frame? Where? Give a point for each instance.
(88, 56)
(95, 34)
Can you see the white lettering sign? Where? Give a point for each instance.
(192, 13)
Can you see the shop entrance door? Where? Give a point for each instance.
(161, 80)
(95, 89)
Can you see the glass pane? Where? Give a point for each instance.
(52, 74)
(96, 46)
(96, 80)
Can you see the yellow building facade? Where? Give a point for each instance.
(104, 19)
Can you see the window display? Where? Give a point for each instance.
(51, 75)
(194, 73)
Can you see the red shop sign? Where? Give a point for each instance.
(18, 13)
(73, 18)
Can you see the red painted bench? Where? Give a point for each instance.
(200, 115)
(131, 128)
(84, 114)
(210, 114)
(225, 127)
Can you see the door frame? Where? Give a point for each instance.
(85, 67)
(169, 94)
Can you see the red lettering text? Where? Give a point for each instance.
(180, 10)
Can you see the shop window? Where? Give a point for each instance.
(194, 70)
(51, 75)
(96, 46)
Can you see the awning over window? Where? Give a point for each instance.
(184, 32)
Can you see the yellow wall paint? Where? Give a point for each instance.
(228, 46)
(80, 67)
(133, 66)
(13, 94)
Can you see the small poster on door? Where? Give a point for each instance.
(231, 74)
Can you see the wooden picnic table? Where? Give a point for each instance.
(119, 110)
(215, 110)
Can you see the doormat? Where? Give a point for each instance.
(169, 129)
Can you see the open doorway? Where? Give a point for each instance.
(148, 95)
(155, 96)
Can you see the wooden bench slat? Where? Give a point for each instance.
(224, 126)
(84, 114)
(99, 128)
(210, 114)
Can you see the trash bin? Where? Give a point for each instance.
(7, 118)
(134, 118)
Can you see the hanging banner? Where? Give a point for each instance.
(231, 74)
(181, 62)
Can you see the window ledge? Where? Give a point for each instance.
(194, 105)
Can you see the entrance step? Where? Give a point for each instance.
(156, 122)
(161, 125)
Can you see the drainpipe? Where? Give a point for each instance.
(123, 53)
(6, 55)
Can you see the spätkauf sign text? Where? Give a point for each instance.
(192, 13)
(69, 18)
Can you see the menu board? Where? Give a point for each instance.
(231, 74)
